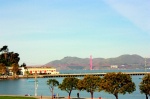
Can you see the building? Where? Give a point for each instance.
(114, 66)
(9, 70)
(39, 70)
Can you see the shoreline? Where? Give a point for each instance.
(49, 97)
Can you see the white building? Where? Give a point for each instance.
(114, 66)
(39, 70)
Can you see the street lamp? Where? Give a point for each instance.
(36, 87)
(36, 83)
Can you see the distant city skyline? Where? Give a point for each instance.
(45, 30)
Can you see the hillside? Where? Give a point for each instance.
(123, 61)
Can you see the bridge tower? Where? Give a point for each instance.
(91, 64)
(145, 65)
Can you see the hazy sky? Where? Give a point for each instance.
(45, 30)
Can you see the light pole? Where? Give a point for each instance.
(36, 84)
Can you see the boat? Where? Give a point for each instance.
(31, 80)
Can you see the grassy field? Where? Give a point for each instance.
(15, 97)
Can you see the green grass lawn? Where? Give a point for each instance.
(15, 97)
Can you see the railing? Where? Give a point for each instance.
(73, 75)
(95, 74)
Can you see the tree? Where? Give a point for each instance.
(69, 84)
(24, 65)
(15, 69)
(145, 85)
(4, 48)
(3, 69)
(52, 83)
(89, 83)
(115, 83)
(13, 57)
(8, 58)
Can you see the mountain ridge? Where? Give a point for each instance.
(125, 61)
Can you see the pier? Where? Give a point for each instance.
(73, 75)
(95, 74)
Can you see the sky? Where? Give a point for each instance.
(45, 30)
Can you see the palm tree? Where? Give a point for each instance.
(52, 83)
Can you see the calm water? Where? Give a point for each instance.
(22, 87)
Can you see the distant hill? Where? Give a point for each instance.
(123, 61)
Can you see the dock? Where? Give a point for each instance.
(94, 74)
(73, 75)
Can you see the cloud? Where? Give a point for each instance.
(137, 11)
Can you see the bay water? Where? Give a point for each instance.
(23, 86)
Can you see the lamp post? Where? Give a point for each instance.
(36, 84)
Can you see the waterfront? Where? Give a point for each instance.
(23, 86)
